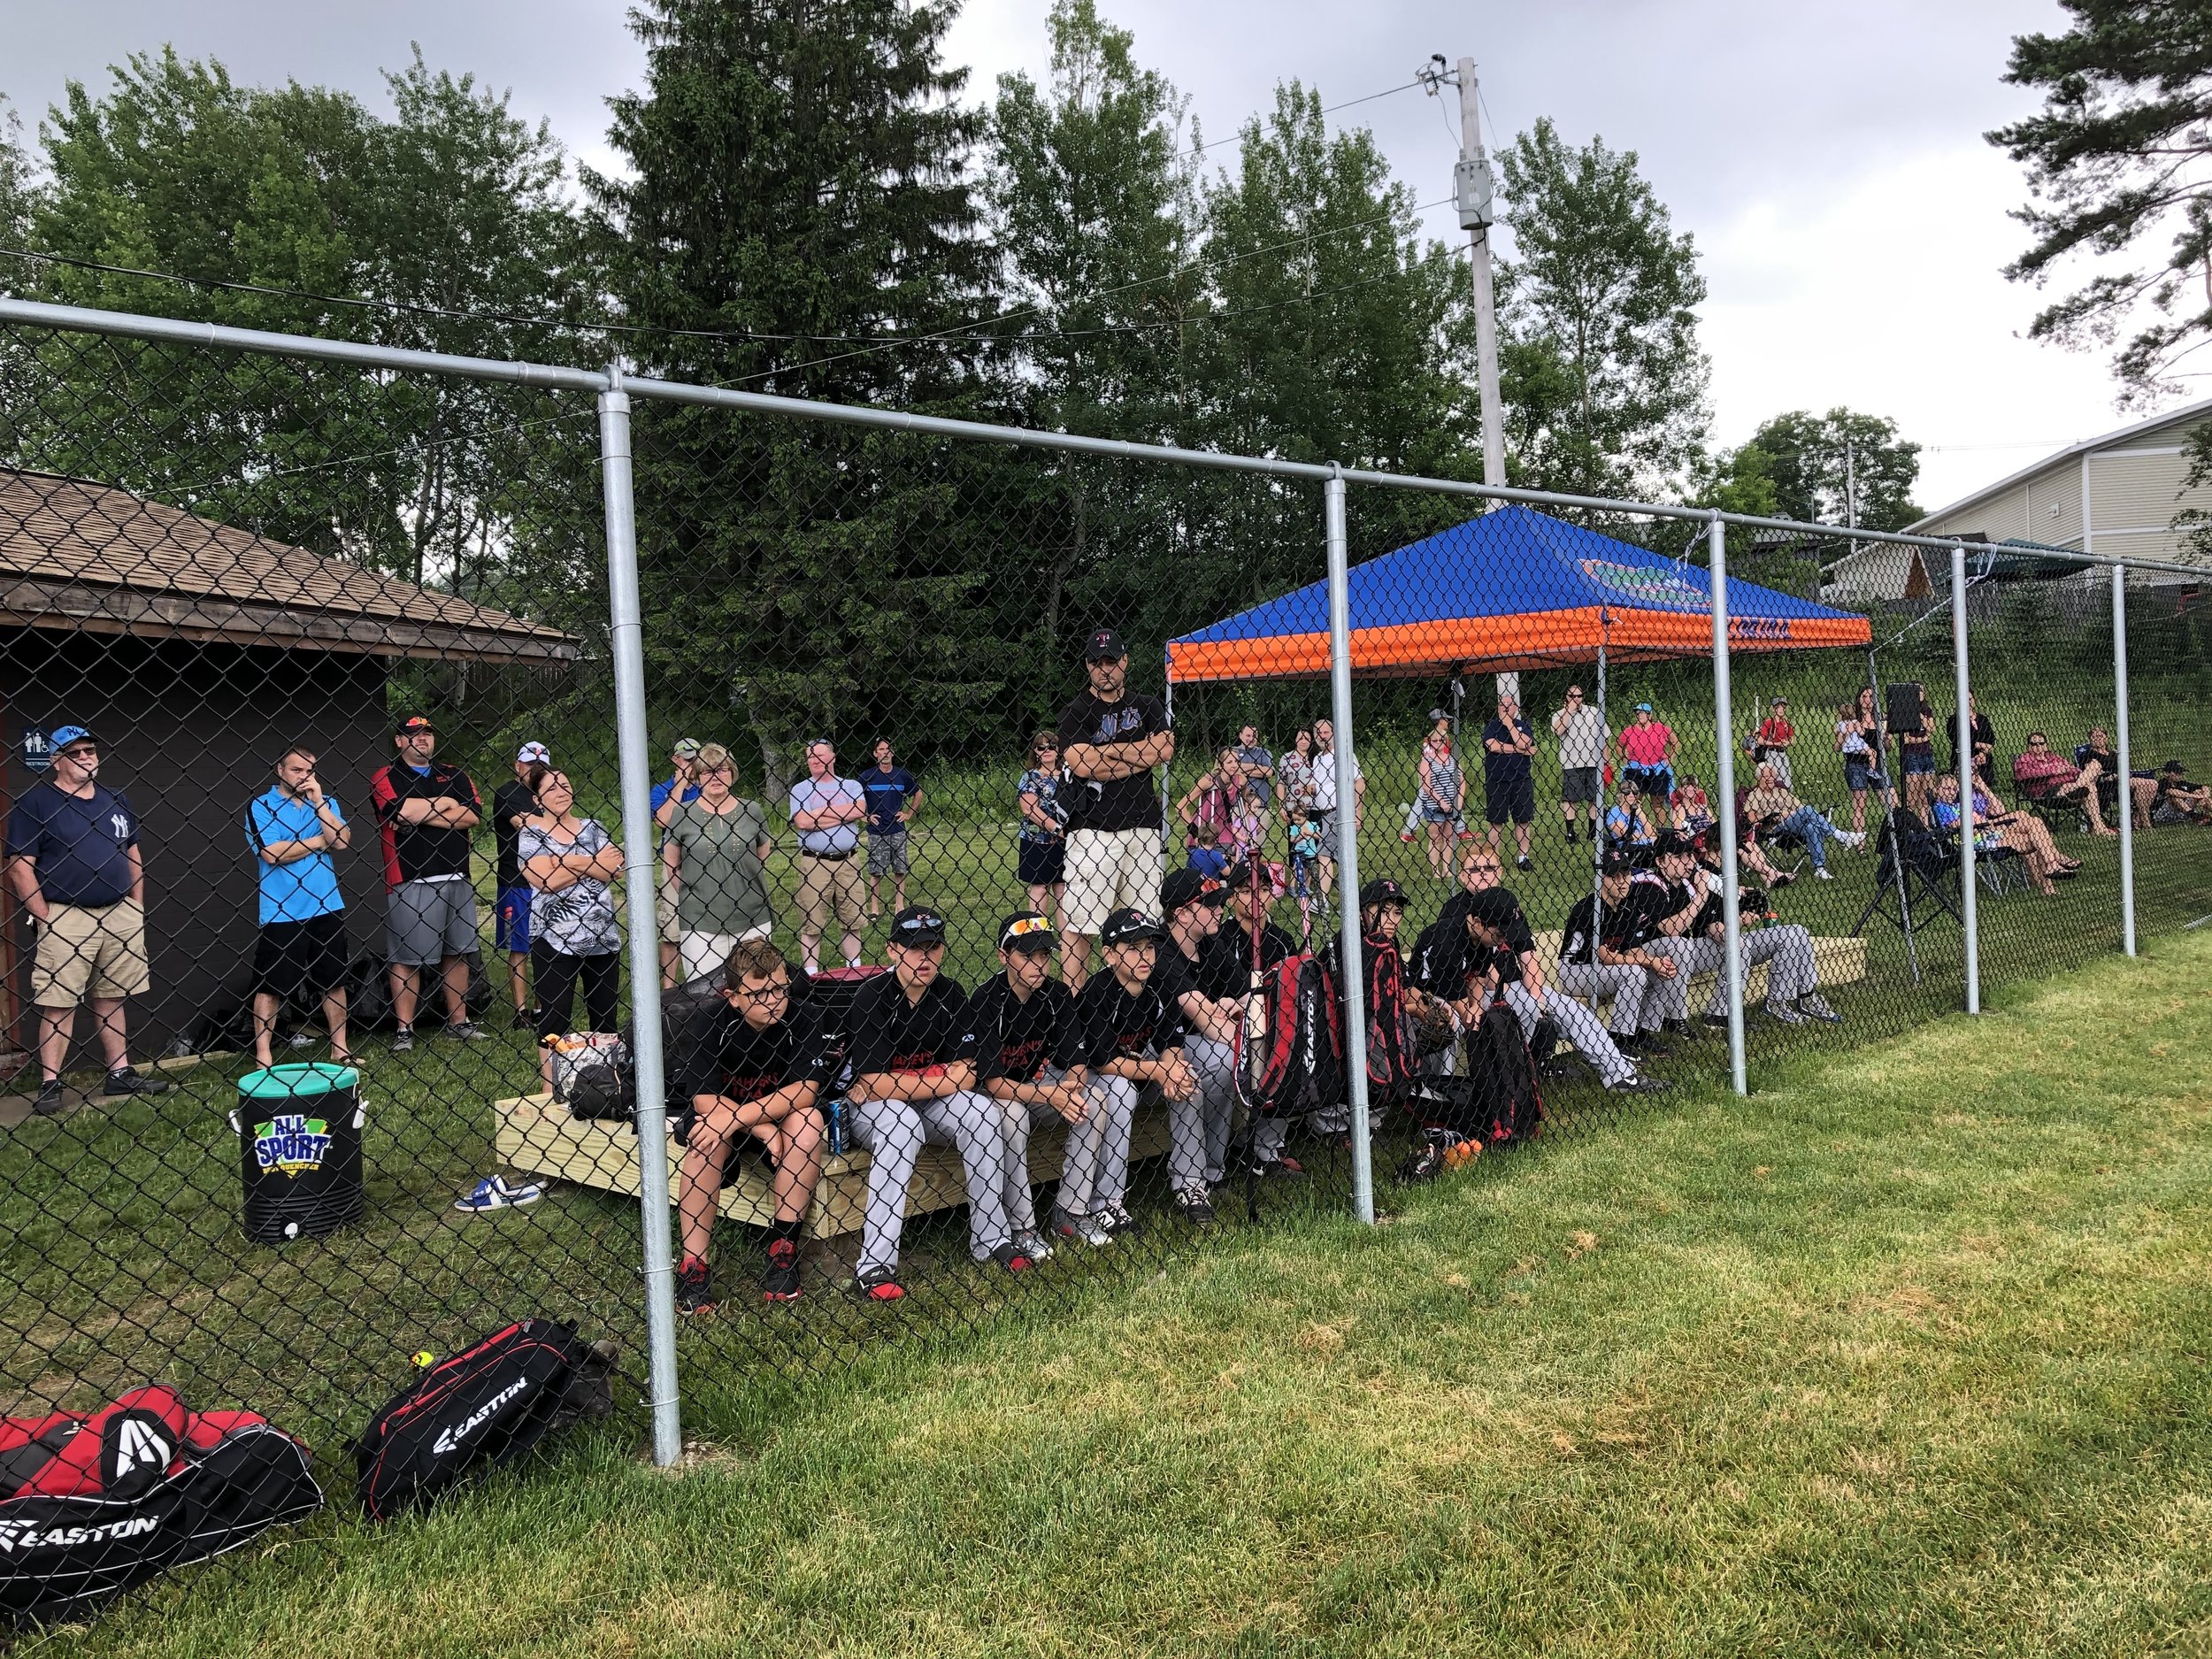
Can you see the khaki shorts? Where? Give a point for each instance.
(83, 952)
(1107, 870)
(665, 906)
(826, 886)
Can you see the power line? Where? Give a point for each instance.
(414, 309)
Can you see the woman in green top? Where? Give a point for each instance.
(713, 851)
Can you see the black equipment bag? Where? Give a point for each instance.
(1497, 1100)
(484, 1407)
(178, 1499)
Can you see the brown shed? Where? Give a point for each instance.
(198, 652)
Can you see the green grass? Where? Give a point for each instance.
(1908, 1353)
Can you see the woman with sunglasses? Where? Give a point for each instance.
(571, 864)
(1040, 853)
(714, 852)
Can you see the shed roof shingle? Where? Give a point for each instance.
(93, 557)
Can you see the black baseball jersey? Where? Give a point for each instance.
(1118, 1024)
(728, 1058)
(1017, 1039)
(888, 1033)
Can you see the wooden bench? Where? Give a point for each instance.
(535, 1135)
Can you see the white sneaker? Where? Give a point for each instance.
(1854, 839)
(1822, 874)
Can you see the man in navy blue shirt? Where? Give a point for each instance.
(75, 863)
(894, 795)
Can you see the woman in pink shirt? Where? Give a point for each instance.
(1647, 746)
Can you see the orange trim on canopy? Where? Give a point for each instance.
(1532, 641)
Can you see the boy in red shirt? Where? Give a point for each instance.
(1772, 744)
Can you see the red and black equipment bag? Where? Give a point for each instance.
(1288, 1043)
(483, 1407)
(90, 1506)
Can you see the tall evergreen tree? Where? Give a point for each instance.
(1603, 381)
(800, 199)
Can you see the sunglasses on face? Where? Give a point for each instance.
(1482, 870)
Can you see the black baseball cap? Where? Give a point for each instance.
(1029, 930)
(1103, 645)
(1493, 907)
(917, 924)
(1671, 843)
(1126, 926)
(1381, 890)
(415, 722)
(1615, 864)
(1188, 887)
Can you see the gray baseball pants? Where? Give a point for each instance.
(894, 1131)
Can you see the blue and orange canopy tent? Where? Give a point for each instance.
(1513, 589)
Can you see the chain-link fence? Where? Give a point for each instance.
(999, 807)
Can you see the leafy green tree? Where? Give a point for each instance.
(1603, 379)
(800, 208)
(19, 192)
(1094, 206)
(1811, 458)
(296, 209)
(1741, 479)
(2117, 167)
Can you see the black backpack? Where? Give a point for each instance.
(482, 1407)
(1497, 1102)
(90, 1506)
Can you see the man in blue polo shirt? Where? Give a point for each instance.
(292, 831)
(75, 863)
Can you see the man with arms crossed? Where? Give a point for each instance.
(827, 810)
(292, 831)
(913, 1064)
(754, 1069)
(1109, 742)
(424, 811)
(74, 860)
(1580, 730)
(1024, 1022)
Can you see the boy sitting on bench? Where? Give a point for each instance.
(753, 1069)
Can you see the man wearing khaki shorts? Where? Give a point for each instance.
(827, 810)
(73, 861)
(1109, 742)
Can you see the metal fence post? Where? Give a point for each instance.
(1962, 731)
(1724, 775)
(626, 617)
(1347, 845)
(2120, 735)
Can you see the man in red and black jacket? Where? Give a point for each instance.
(424, 811)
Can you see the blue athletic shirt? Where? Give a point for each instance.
(306, 887)
(80, 845)
(887, 794)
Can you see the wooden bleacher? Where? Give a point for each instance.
(535, 1135)
(1840, 962)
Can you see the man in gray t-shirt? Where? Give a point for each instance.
(1259, 765)
(828, 810)
(1580, 729)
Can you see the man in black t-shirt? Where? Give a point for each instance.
(511, 802)
(755, 1068)
(1128, 1040)
(1109, 742)
(1207, 988)
(1601, 954)
(1024, 1022)
(912, 1056)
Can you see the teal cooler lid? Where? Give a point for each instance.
(281, 1084)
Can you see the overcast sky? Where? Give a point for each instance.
(1827, 157)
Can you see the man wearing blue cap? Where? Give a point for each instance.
(73, 861)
